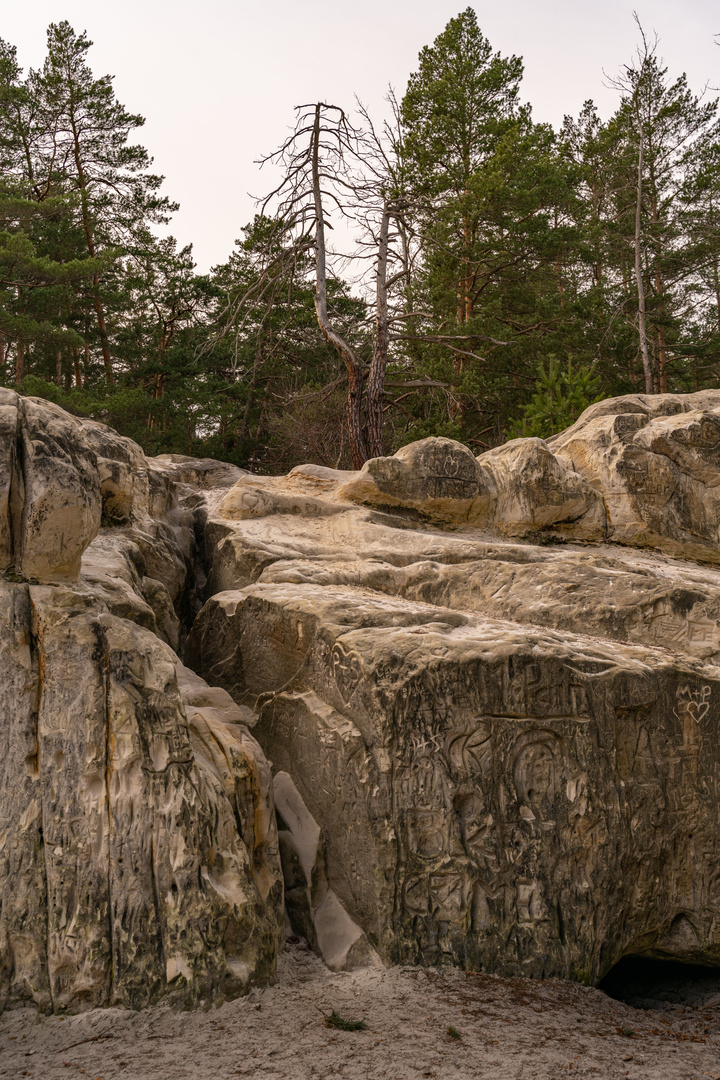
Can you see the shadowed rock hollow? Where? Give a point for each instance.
(488, 687)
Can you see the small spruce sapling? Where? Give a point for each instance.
(561, 395)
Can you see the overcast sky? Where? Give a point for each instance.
(217, 81)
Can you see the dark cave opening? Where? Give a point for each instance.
(662, 984)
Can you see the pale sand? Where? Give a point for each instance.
(511, 1029)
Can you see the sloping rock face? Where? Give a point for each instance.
(138, 845)
(498, 704)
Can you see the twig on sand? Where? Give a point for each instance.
(90, 1038)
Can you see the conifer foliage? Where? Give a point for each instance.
(505, 275)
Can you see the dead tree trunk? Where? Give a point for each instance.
(344, 350)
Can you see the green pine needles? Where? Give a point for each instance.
(334, 1020)
(561, 394)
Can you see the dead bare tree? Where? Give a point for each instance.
(319, 166)
(383, 213)
(357, 172)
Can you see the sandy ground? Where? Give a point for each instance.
(510, 1029)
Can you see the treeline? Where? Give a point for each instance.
(502, 274)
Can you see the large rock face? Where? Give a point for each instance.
(509, 747)
(656, 461)
(138, 845)
(488, 689)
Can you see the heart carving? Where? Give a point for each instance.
(697, 709)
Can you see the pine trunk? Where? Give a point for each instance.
(642, 324)
(90, 242)
(20, 362)
(376, 379)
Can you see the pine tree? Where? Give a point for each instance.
(657, 141)
(38, 274)
(86, 147)
(458, 106)
(498, 224)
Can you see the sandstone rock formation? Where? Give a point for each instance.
(656, 461)
(138, 845)
(535, 796)
(49, 490)
(488, 689)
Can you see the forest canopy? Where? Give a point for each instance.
(499, 276)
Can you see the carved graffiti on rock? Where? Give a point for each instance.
(696, 632)
(415, 895)
(539, 692)
(476, 825)
(426, 832)
(428, 782)
(442, 896)
(426, 791)
(447, 895)
(347, 670)
(536, 772)
(691, 707)
(469, 750)
(253, 504)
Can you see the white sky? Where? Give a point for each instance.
(217, 81)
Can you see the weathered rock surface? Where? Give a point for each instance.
(488, 688)
(203, 473)
(313, 908)
(507, 747)
(138, 847)
(49, 490)
(656, 460)
(493, 794)
(138, 844)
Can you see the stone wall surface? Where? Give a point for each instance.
(484, 695)
(138, 845)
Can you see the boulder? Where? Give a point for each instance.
(139, 856)
(50, 499)
(656, 461)
(199, 473)
(439, 478)
(536, 492)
